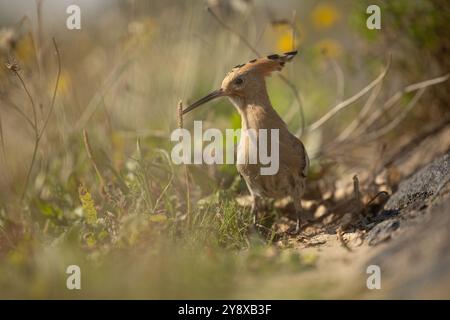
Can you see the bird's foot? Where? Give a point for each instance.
(293, 231)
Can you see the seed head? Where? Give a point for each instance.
(12, 65)
(180, 114)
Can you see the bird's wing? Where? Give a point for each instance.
(294, 154)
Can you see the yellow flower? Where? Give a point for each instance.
(284, 40)
(329, 47)
(324, 16)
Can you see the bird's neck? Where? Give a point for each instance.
(257, 112)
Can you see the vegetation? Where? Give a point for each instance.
(85, 121)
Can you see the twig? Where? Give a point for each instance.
(396, 97)
(393, 124)
(21, 113)
(426, 83)
(38, 133)
(33, 106)
(180, 115)
(186, 172)
(355, 211)
(364, 111)
(299, 102)
(14, 67)
(375, 197)
(349, 101)
(360, 135)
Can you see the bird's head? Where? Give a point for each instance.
(246, 80)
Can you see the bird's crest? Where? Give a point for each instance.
(266, 65)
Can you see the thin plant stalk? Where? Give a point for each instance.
(39, 133)
(186, 171)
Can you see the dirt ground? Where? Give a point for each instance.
(409, 241)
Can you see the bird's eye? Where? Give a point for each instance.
(239, 81)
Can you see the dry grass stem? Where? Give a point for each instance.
(55, 89)
(340, 79)
(395, 98)
(186, 171)
(39, 134)
(91, 157)
(362, 114)
(21, 113)
(349, 101)
(399, 118)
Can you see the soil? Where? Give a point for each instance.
(409, 239)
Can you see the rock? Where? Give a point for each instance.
(407, 203)
(382, 231)
(420, 186)
(417, 264)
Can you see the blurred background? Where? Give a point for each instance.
(84, 168)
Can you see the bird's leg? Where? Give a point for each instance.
(255, 209)
(298, 213)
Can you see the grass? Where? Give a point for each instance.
(133, 223)
(141, 254)
(85, 172)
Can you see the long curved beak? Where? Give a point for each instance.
(213, 95)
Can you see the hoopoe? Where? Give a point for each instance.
(245, 86)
